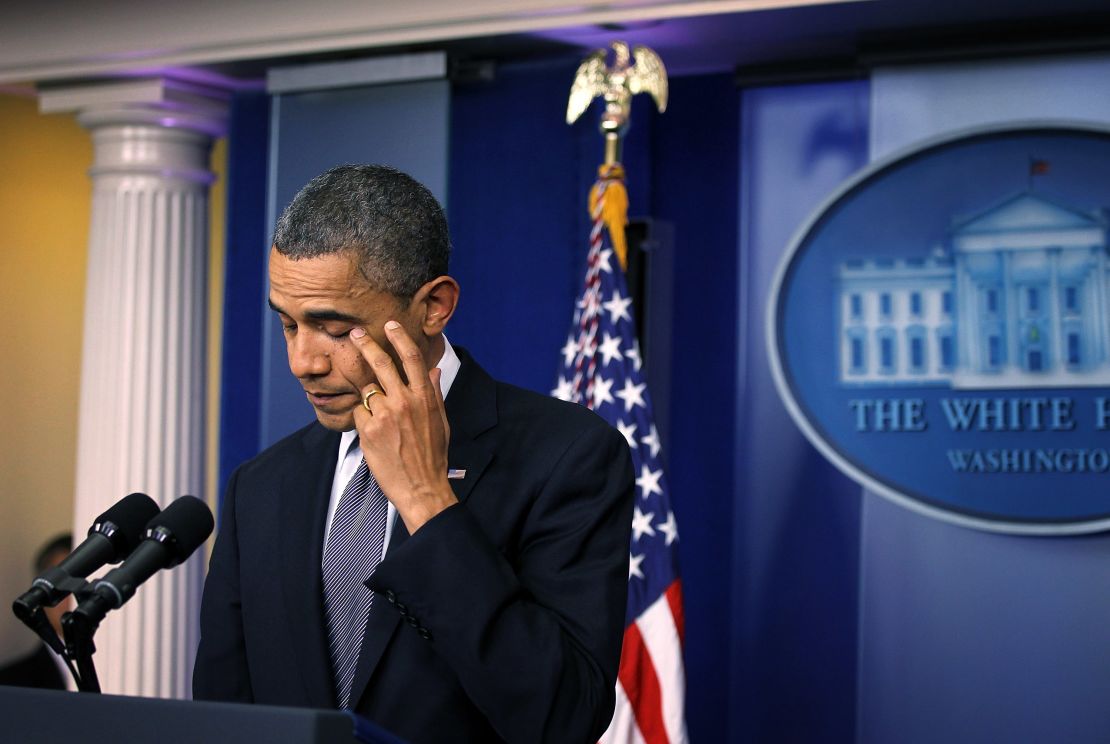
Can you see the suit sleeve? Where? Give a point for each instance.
(220, 672)
(536, 642)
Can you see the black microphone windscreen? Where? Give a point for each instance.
(190, 522)
(130, 515)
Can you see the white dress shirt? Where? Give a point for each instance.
(349, 458)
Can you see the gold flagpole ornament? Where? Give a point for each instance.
(640, 71)
(617, 85)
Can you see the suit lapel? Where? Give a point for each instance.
(305, 492)
(471, 413)
(471, 410)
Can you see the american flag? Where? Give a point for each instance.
(602, 369)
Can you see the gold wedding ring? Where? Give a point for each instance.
(368, 395)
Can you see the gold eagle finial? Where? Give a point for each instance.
(640, 71)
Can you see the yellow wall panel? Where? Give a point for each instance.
(44, 224)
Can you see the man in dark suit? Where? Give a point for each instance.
(503, 516)
(41, 668)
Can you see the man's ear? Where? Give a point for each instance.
(438, 299)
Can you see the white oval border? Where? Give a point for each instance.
(787, 395)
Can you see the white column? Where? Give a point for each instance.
(142, 414)
(1058, 341)
(969, 338)
(1092, 305)
(1012, 298)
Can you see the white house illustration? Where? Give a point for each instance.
(1016, 297)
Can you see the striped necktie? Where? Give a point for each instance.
(353, 551)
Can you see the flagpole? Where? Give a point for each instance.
(602, 369)
(613, 142)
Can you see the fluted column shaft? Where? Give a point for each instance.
(142, 410)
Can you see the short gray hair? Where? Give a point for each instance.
(390, 221)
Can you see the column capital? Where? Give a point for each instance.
(151, 101)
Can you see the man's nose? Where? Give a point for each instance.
(306, 358)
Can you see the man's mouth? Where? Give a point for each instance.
(323, 399)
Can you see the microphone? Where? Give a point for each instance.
(112, 537)
(169, 538)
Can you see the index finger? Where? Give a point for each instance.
(410, 355)
(380, 362)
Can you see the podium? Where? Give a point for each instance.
(50, 716)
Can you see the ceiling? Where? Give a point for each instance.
(803, 39)
(806, 41)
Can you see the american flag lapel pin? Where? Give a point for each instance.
(456, 473)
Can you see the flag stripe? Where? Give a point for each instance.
(641, 684)
(660, 637)
(623, 729)
(674, 599)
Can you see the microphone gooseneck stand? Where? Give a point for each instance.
(78, 648)
(79, 627)
(36, 621)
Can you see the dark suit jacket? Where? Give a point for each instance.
(36, 669)
(501, 618)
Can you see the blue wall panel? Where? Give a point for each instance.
(796, 518)
(694, 187)
(244, 281)
(967, 636)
